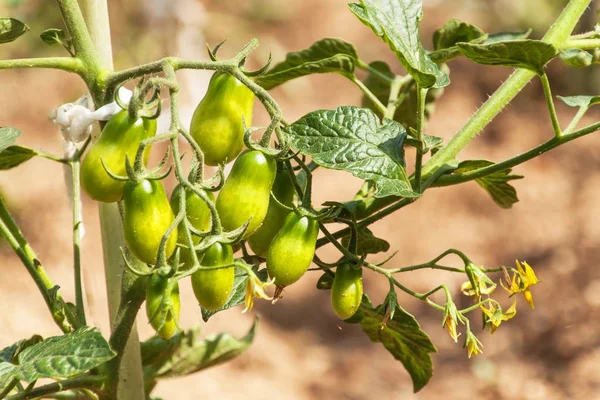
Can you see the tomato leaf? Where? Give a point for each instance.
(11, 29)
(353, 139)
(56, 357)
(397, 23)
(402, 336)
(526, 53)
(507, 36)
(53, 36)
(496, 184)
(238, 294)
(455, 31)
(580, 101)
(406, 113)
(8, 137)
(367, 242)
(326, 55)
(14, 156)
(189, 353)
(576, 58)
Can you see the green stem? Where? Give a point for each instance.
(80, 382)
(584, 44)
(421, 95)
(10, 231)
(395, 87)
(61, 63)
(77, 231)
(580, 113)
(362, 65)
(82, 41)
(447, 180)
(550, 104)
(556, 35)
(378, 104)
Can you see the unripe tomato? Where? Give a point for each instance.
(292, 249)
(120, 137)
(197, 213)
(147, 216)
(217, 122)
(162, 305)
(213, 287)
(247, 191)
(283, 189)
(346, 291)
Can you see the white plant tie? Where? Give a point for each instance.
(75, 121)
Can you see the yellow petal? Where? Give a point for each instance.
(528, 297)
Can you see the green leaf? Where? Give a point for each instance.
(8, 371)
(53, 36)
(8, 137)
(353, 139)
(495, 184)
(576, 58)
(326, 55)
(455, 31)
(14, 156)
(507, 36)
(367, 242)
(529, 54)
(397, 23)
(238, 294)
(325, 282)
(406, 113)
(429, 142)
(402, 336)
(580, 101)
(64, 356)
(11, 29)
(194, 353)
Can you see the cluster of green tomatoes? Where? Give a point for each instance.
(259, 193)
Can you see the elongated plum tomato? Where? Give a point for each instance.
(283, 189)
(197, 213)
(120, 137)
(213, 287)
(147, 216)
(163, 305)
(247, 192)
(346, 291)
(217, 122)
(292, 249)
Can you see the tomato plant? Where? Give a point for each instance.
(151, 244)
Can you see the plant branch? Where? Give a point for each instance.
(77, 235)
(372, 98)
(10, 231)
(557, 36)
(94, 383)
(550, 104)
(61, 63)
(453, 179)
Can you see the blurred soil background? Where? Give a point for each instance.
(302, 350)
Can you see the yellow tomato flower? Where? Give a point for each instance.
(473, 345)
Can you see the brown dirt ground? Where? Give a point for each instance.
(302, 351)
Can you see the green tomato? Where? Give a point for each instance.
(247, 191)
(162, 305)
(147, 216)
(283, 190)
(197, 213)
(217, 122)
(120, 137)
(213, 287)
(292, 249)
(346, 291)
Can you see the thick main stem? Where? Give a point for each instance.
(130, 381)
